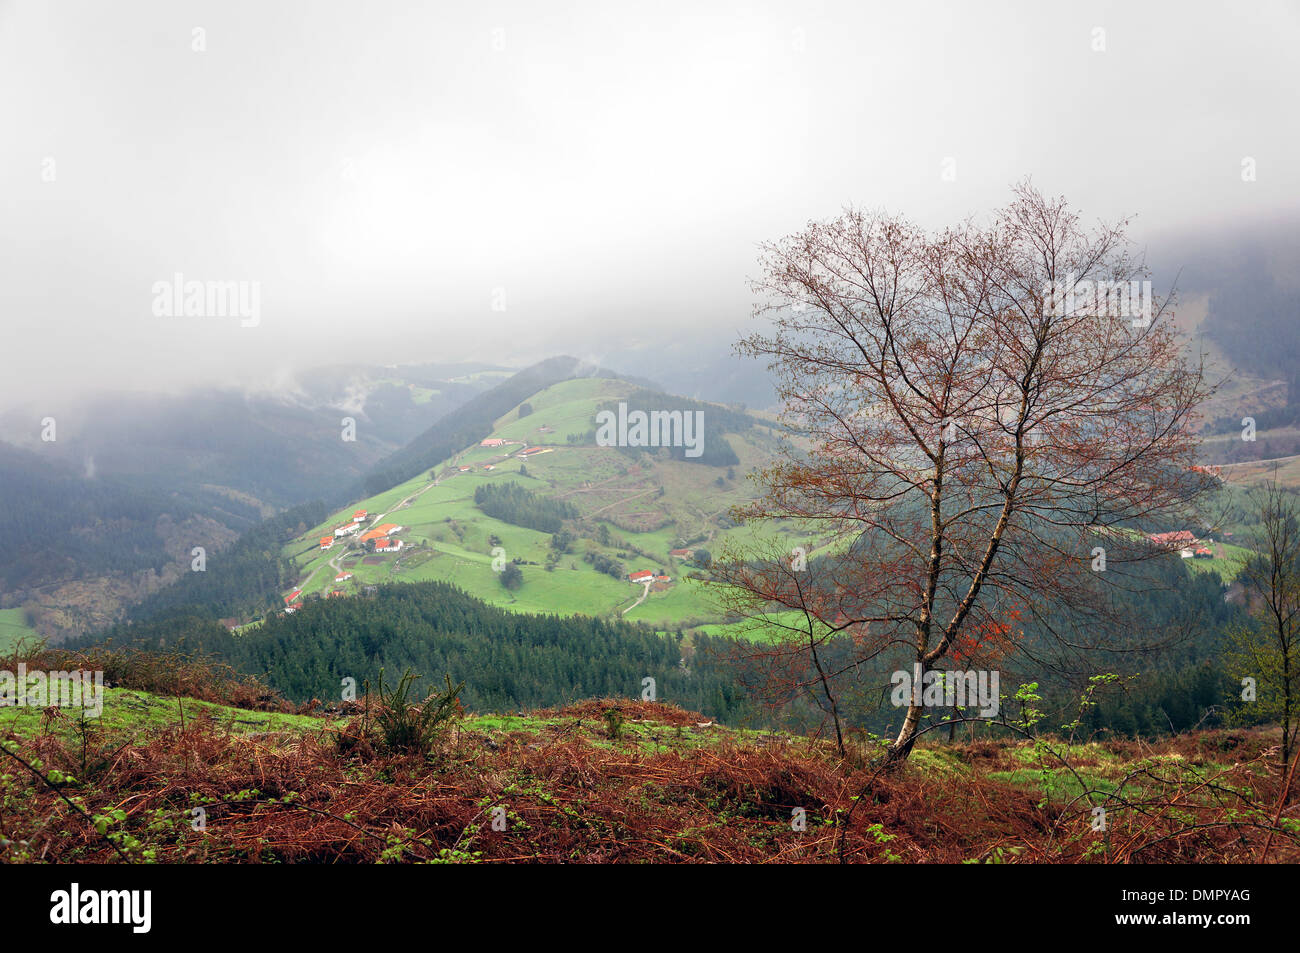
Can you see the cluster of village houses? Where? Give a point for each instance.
(379, 539)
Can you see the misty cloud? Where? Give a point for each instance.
(515, 181)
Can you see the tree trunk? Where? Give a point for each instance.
(902, 746)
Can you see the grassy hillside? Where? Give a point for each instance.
(633, 507)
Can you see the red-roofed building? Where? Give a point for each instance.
(492, 442)
(681, 553)
(293, 596)
(387, 545)
(326, 542)
(644, 575)
(343, 577)
(1175, 540)
(358, 516)
(386, 529)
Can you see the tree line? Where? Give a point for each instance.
(508, 661)
(516, 504)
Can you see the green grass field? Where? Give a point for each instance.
(132, 712)
(14, 629)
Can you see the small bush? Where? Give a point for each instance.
(407, 728)
(613, 724)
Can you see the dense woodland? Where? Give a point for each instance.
(243, 580)
(507, 660)
(63, 526)
(1164, 659)
(520, 506)
(512, 661)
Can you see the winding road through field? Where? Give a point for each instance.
(645, 593)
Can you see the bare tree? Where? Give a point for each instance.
(1267, 649)
(975, 418)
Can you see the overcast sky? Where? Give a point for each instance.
(388, 172)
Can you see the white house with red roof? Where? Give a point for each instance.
(1179, 539)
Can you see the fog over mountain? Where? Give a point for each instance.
(509, 182)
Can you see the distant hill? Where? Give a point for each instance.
(82, 547)
(473, 421)
(1239, 296)
(110, 510)
(531, 487)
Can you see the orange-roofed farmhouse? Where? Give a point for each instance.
(387, 529)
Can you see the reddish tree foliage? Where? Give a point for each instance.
(970, 423)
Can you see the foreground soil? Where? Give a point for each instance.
(614, 781)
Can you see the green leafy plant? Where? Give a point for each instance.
(409, 728)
